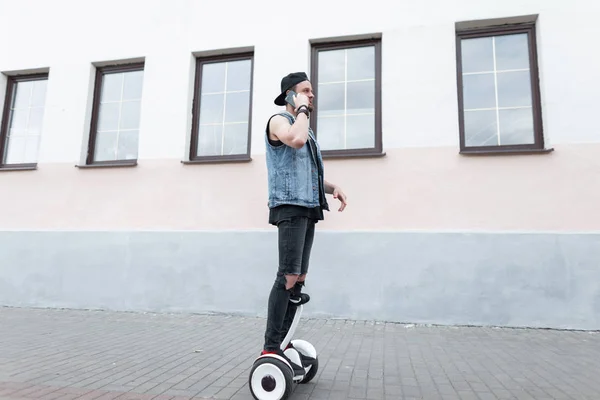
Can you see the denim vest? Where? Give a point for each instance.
(293, 176)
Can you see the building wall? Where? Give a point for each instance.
(429, 235)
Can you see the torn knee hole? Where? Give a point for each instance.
(291, 280)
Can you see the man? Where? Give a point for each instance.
(297, 200)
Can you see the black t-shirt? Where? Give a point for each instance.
(279, 213)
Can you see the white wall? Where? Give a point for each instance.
(419, 72)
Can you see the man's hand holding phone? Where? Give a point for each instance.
(300, 100)
(297, 99)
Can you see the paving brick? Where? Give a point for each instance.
(139, 356)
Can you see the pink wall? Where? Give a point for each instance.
(411, 188)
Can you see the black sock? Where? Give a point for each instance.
(297, 289)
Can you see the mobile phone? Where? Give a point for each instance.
(290, 98)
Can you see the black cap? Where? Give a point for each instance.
(288, 82)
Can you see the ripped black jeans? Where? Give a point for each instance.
(296, 236)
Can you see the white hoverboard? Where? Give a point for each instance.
(272, 377)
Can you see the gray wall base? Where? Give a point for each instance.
(511, 279)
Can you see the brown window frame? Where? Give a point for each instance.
(530, 29)
(377, 150)
(12, 82)
(193, 153)
(100, 72)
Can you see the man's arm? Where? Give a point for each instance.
(337, 194)
(294, 135)
(329, 187)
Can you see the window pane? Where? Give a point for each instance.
(36, 116)
(512, 52)
(211, 109)
(23, 95)
(238, 75)
(330, 132)
(106, 146)
(478, 91)
(331, 99)
(17, 132)
(360, 131)
(132, 89)
(213, 77)
(361, 97)
(15, 153)
(18, 119)
(516, 126)
(477, 55)
(331, 66)
(480, 128)
(361, 63)
(236, 139)
(31, 149)
(514, 89)
(130, 115)
(128, 145)
(237, 107)
(112, 85)
(209, 140)
(108, 117)
(38, 96)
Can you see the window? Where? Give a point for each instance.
(222, 108)
(116, 115)
(498, 89)
(22, 121)
(346, 79)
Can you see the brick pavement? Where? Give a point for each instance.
(66, 354)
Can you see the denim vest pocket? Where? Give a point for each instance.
(282, 186)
